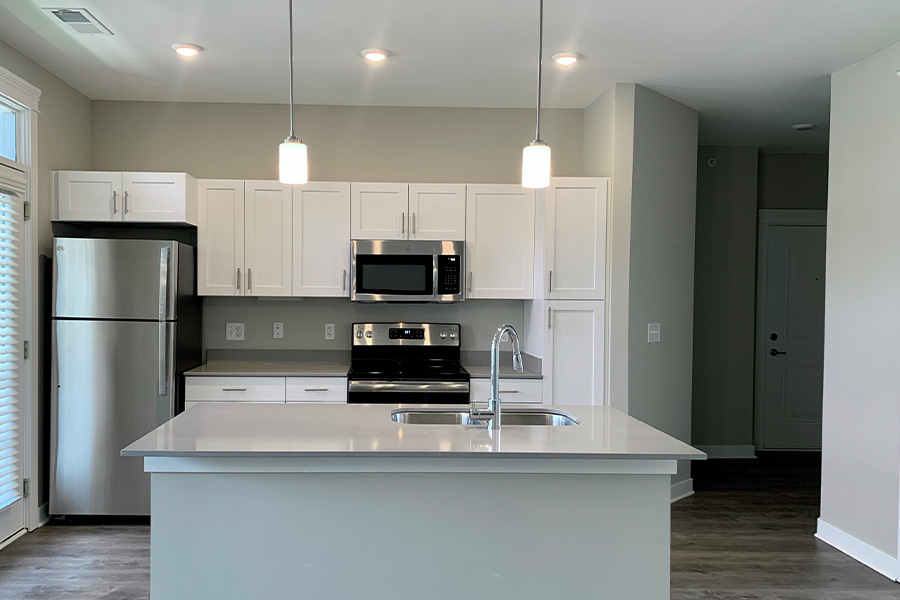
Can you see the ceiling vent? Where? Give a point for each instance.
(79, 21)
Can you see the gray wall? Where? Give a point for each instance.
(661, 281)
(304, 321)
(861, 422)
(240, 141)
(724, 293)
(64, 131)
(797, 181)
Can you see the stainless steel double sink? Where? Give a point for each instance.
(542, 417)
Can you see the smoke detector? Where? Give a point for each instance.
(79, 21)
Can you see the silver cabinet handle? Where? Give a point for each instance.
(550, 283)
(315, 390)
(239, 279)
(470, 282)
(234, 389)
(115, 204)
(549, 317)
(125, 202)
(344, 281)
(509, 391)
(402, 222)
(413, 224)
(249, 279)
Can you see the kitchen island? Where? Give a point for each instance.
(340, 502)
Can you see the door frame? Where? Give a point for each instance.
(768, 218)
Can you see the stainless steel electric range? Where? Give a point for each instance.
(406, 363)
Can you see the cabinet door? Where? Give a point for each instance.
(500, 241)
(321, 246)
(267, 238)
(88, 196)
(220, 238)
(379, 211)
(318, 390)
(574, 356)
(575, 238)
(158, 197)
(437, 211)
(233, 389)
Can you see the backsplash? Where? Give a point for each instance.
(304, 320)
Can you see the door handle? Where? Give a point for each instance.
(413, 230)
(125, 202)
(249, 279)
(115, 203)
(549, 317)
(774, 352)
(470, 282)
(315, 389)
(344, 281)
(163, 382)
(239, 279)
(403, 223)
(550, 282)
(163, 284)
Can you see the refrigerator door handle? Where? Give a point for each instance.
(163, 370)
(163, 283)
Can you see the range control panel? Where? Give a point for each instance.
(401, 334)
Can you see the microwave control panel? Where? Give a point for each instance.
(449, 279)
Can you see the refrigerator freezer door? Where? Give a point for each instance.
(108, 393)
(115, 279)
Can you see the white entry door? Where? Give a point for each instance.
(12, 279)
(792, 338)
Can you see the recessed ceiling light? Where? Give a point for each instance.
(566, 59)
(374, 54)
(187, 50)
(803, 127)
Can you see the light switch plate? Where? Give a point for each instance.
(329, 331)
(278, 331)
(654, 332)
(234, 332)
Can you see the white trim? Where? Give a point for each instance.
(17, 89)
(857, 549)
(729, 451)
(766, 219)
(12, 538)
(682, 489)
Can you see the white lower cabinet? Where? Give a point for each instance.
(574, 357)
(233, 389)
(512, 391)
(332, 390)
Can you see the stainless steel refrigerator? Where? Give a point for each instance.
(126, 323)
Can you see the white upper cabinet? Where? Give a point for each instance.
(133, 197)
(575, 238)
(88, 196)
(574, 353)
(220, 238)
(321, 239)
(437, 212)
(267, 238)
(159, 197)
(499, 241)
(379, 211)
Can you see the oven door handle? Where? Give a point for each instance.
(434, 387)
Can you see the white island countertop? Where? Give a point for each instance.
(357, 431)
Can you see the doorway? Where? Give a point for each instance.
(790, 326)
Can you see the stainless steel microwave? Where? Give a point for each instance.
(407, 271)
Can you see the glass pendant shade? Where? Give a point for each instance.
(536, 165)
(292, 166)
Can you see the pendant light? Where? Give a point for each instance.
(292, 165)
(536, 156)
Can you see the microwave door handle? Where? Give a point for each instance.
(434, 282)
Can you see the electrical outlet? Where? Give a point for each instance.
(278, 330)
(329, 331)
(234, 332)
(654, 332)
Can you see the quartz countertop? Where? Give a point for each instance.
(348, 431)
(280, 368)
(506, 372)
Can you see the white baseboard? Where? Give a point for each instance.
(729, 451)
(682, 489)
(12, 538)
(873, 558)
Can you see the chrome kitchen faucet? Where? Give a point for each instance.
(493, 410)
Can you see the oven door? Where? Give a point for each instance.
(381, 273)
(407, 392)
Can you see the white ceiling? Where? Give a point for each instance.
(752, 68)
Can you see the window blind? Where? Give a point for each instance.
(11, 351)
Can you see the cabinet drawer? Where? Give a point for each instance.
(233, 389)
(316, 389)
(512, 391)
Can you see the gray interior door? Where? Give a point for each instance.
(114, 383)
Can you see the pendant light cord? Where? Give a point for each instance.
(291, 61)
(537, 128)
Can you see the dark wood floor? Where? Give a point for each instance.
(747, 534)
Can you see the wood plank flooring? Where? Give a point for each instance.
(747, 534)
